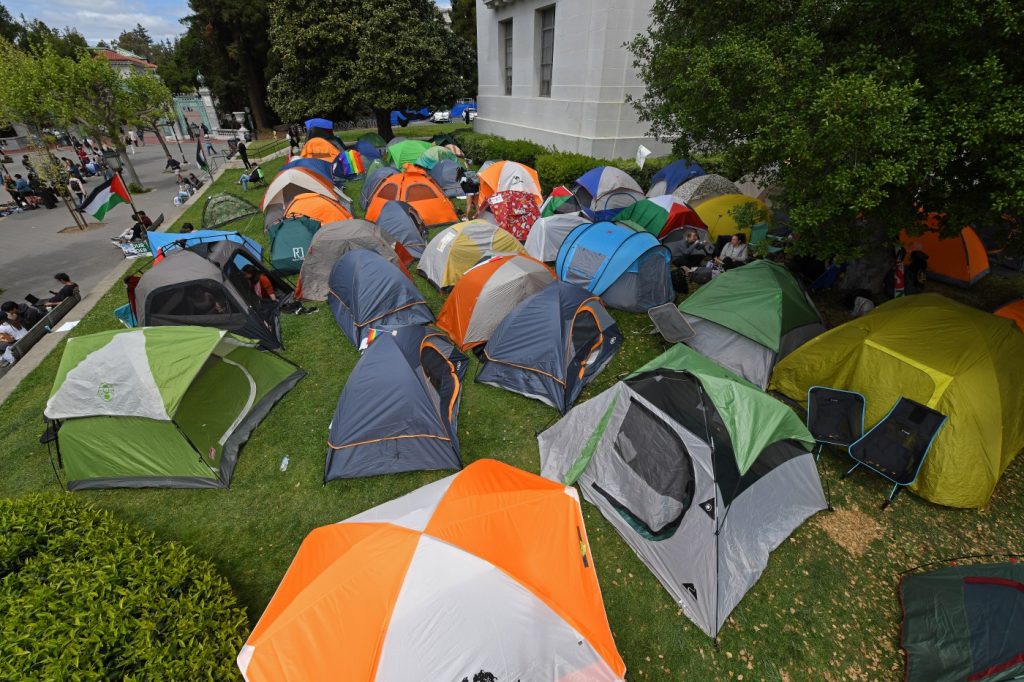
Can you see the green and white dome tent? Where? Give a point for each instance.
(161, 407)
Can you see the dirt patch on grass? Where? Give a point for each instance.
(851, 529)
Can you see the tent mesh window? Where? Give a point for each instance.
(192, 299)
(388, 192)
(584, 337)
(585, 263)
(659, 459)
(987, 602)
(420, 192)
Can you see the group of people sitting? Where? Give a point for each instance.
(695, 253)
(17, 318)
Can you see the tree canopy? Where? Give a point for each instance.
(33, 35)
(359, 56)
(862, 111)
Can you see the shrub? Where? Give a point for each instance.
(82, 596)
(562, 168)
(481, 147)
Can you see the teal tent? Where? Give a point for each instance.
(289, 241)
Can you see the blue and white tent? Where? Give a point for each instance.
(604, 191)
(318, 166)
(629, 270)
(671, 176)
(190, 240)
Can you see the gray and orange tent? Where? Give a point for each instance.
(415, 187)
(318, 207)
(964, 623)
(1013, 311)
(487, 293)
(551, 345)
(486, 574)
(960, 259)
(321, 147)
(331, 242)
(399, 409)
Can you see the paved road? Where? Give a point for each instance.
(32, 247)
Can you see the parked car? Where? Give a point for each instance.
(472, 114)
(443, 116)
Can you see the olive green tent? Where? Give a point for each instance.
(406, 151)
(161, 406)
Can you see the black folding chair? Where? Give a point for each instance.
(834, 417)
(897, 446)
(671, 323)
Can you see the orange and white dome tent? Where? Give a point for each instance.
(488, 570)
(508, 176)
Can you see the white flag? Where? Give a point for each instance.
(642, 153)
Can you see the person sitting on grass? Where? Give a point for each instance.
(735, 253)
(11, 330)
(66, 290)
(693, 250)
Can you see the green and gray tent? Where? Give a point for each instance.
(164, 407)
(290, 238)
(701, 473)
(964, 623)
(749, 318)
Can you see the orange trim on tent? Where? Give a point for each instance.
(518, 366)
(434, 211)
(1013, 311)
(455, 375)
(317, 207)
(328, 187)
(600, 337)
(379, 440)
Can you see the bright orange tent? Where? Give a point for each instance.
(317, 207)
(415, 187)
(961, 260)
(488, 570)
(508, 176)
(1013, 311)
(487, 293)
(319, 148)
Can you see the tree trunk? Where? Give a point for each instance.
(868, 272)
(160, 139)
(126, 163)
(256, 89)
(79, 218)
(383, 124)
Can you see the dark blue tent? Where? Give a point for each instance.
(372, 182)
(399, 222)
(671, 176)
(629, 270)
(399, 408)
(604, 191)
(551, 345)
(446, 174)
(368, 292)
(318, 166)
(367, 150)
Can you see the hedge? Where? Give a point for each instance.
(554, 167)
(82, 596)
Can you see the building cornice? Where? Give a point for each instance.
(498, 4)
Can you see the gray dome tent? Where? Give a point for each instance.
(372, 182)
(701, 473)
(186, 289)
(331, 242)
(551, 345)
(369, 292)
(223, 209)
(399, 408)
(446, 174)
(399, 222)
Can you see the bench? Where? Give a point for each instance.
(43, 326)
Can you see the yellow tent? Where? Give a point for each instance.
(715, 213)
(960, 361)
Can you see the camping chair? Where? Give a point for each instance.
(896, 447)
(759, 233)
(834, 417)
(256, 177)
(670, 322)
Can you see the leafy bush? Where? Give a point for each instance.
(562, 168)
(481, 147)
(82, 596)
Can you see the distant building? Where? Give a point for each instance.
(556, 72)
(124, 62)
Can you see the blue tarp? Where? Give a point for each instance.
(319, 123)
(318, 166)
(158, 240)
(456, 111)
(675, 174)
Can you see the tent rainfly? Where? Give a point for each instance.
(222, 209)
(165, 407)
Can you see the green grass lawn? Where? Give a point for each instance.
(825, 608)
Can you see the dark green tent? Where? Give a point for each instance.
(964, 623)
(289, 241)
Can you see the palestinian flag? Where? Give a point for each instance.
(200, 156)
(561, 200)
(106, 196)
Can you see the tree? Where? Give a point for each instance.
(863, 112)
(329, 67)
(106, 105)
(39, 90)
(148, 104)
(463, 16)
(180, 62)
(234, 33)
(137, 41)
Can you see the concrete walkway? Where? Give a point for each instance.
(32, 248)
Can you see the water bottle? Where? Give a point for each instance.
(284, 464)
